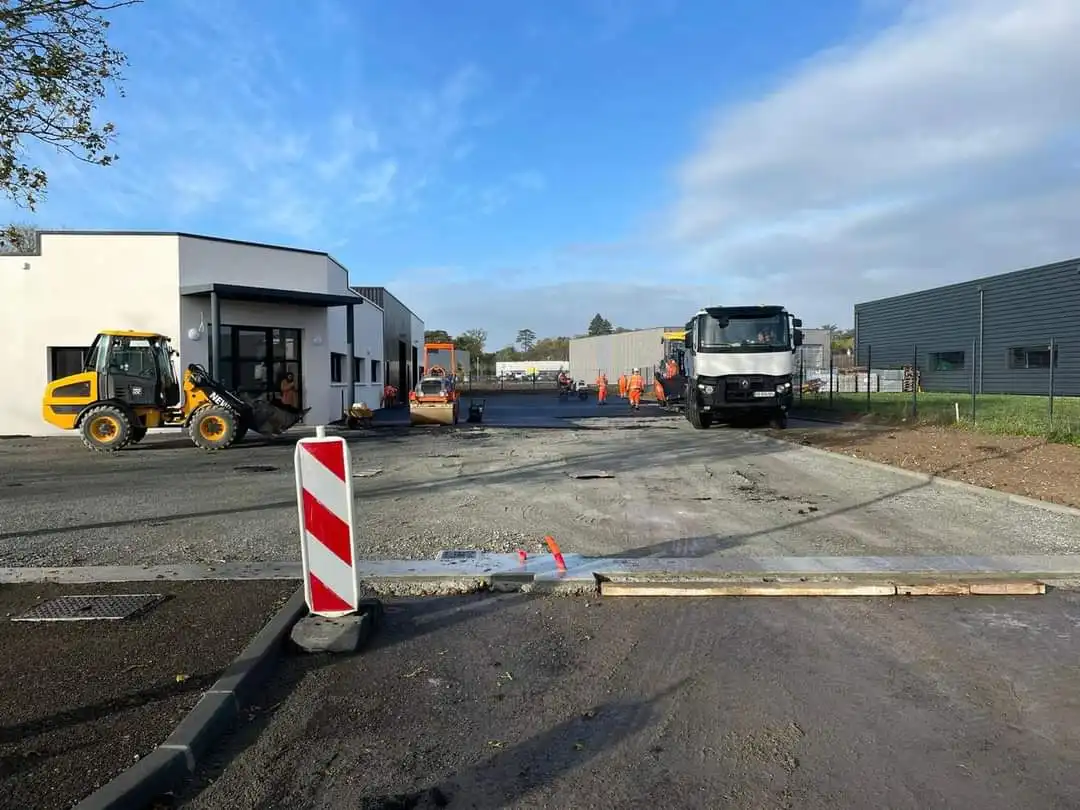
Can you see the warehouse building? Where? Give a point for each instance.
(403, 340)
(250, 313)
(618, 353)
(993, 334)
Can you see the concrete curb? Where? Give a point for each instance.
(166, 767)
(928, 478)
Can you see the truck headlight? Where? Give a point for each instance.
(783, 388)
(708, 389)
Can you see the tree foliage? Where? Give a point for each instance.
(600, 325)
(437, 336)
(18, 237)
(526, 339)
(56, 64)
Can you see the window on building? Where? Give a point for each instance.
(1032, 357)
(358, 370)
(946, 361)
(375, 371)
(65, 361)
(337, 367)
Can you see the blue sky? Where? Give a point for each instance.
(508, 165)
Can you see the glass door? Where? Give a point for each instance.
(286, 358)
(257, 361)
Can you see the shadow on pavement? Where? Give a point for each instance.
(523, 768)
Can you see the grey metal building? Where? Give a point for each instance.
(403, 340)
(815, 351)
(994, 333)
(617, 354)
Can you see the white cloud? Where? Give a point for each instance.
(942, 148)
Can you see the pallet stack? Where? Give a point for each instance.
(912, 379)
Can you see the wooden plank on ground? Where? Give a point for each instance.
(934, 589)
(744, 589)
(1015, 588)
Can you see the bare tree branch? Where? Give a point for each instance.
(18, 237)
(55, 66)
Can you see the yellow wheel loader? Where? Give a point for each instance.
(128, 385)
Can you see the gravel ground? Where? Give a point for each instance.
(82, 701)
(500, 486)
(518, 702)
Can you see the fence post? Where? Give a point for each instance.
(869, 366)
(914, 381)
(974, 379)
(1053, 349)
(830, 376)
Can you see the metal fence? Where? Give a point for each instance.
(897, 391)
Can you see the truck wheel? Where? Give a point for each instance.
(106, 429)
(213, 427)
(699, 420)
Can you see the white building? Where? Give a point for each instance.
(507, 368)
(280, 310)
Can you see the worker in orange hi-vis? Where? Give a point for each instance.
(623, 385)
(658, 389)
(601, 388)
(636, 386)
(671, 368)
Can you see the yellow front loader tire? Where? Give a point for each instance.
(106, 429)
(213, 427)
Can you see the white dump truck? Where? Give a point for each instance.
(738, 364)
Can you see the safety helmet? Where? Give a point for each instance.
(637, 370)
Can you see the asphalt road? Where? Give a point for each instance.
(673, 491)
(518, 702)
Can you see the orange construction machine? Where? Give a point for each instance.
(435, 400)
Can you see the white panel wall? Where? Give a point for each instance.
(79, 285)
(368, 343)
(206, 261)
(315, 358)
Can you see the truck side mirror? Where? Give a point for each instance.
(796, 322)
(688, 341)
(798, 341)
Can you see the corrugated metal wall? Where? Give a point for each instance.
(616, 354)
(978, 329)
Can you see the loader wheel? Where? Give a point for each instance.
(213, 428)
(106, 429)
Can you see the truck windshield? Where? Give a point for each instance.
(743, 334)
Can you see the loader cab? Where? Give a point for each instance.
(134, 367)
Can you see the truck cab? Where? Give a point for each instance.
(739, 363)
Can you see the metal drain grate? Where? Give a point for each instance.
(457, 554)
(89, 607)
(255, 468)
(591, 475)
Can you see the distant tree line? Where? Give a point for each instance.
(526, 346)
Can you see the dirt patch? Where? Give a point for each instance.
(84, 700)
(1021, 465)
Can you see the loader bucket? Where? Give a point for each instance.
(433, 413)
(273, 418)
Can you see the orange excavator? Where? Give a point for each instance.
(436, 400)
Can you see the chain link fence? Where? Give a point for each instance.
(894, 390)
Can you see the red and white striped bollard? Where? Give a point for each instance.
(324, 493)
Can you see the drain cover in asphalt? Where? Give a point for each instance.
(366, 473)
(457, 554)
(589, 475)
(255, 468)
(111, 606)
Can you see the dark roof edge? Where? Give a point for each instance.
(386, 291)
(974, 281)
